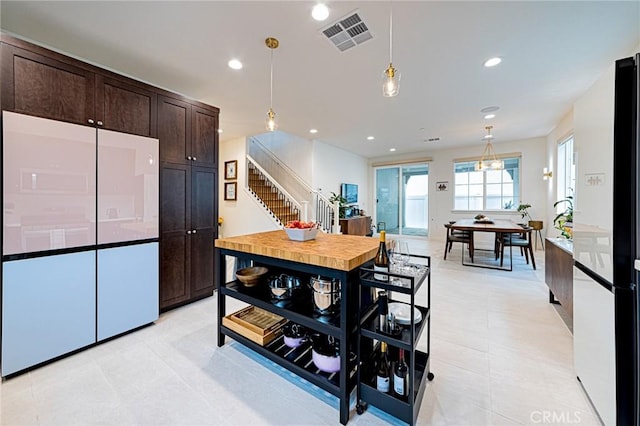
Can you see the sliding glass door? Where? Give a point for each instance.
(402, 199)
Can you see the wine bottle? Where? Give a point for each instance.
(382, 374)
(381, 261)
(383, 310)
(401, 377)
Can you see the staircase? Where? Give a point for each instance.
(283, 194)
(271, 197)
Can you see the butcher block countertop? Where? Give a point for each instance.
(335, 251)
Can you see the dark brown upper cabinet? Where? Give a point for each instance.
(188, 133)
(46, 84)
(37, 85)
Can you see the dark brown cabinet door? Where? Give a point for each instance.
(203, 194)
(174, 269)
(37, 85)
(203, 224)
(202, 265)
(204, 144)
(125, 108)
(174, 130)
(175, 217)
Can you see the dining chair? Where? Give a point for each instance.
(458, 236)
(520, 239)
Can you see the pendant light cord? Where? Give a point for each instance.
(390, 32)
(271, 83)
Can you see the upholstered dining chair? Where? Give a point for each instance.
(458, 236)
(522, 240)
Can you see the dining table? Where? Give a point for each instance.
(496, 226)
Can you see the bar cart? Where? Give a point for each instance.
(416, 319)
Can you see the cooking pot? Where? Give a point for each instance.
(326, 294)
(325, 353)
(283, 286)
(294, 334)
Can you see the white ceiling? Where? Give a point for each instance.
(552, 52)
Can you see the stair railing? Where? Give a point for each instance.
(314, 205)
(271, 192)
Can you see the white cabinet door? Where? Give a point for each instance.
(128, 288)
(128, 187)
(48, 308)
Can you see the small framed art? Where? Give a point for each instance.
(231, 169)
(230, 191)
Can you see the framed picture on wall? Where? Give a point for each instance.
(230, 189)
(231, 169)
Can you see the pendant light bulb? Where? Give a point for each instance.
(390, 76)
(391, 82)
(272, 43)
(271, 120)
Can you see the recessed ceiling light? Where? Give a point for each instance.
(489, 116)
(370, 138)
(235, 64)
(320, 12)
(392, 149)
(489, 109)
(313, 131)
(492, 62)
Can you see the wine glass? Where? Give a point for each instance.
(400, 258)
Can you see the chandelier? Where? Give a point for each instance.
(488, 160)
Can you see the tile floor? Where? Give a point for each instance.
(501, 356)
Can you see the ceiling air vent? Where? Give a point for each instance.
(347, 32)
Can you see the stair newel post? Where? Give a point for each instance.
(305, 210)
(336, 217)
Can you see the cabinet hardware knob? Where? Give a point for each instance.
(194, 158)
(90, 121)
(100, 123)
(194, 231)
(189, 158)
(189, 232)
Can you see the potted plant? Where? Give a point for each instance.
(523, 209)
(564, 220)
(342, 204)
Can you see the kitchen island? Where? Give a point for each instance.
(330, 256)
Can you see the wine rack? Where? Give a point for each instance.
(404, 408)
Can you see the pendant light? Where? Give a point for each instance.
(391, 76)
(272, 43)
(488, 160)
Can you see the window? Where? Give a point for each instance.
(487, 190)
(566, 171)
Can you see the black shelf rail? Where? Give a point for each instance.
(370, 328)
(300, 312)
(297, 360)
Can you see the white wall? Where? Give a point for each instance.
(333, 166)
(244, 215)
(557, 135)
(294, 151)
(533, 189)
